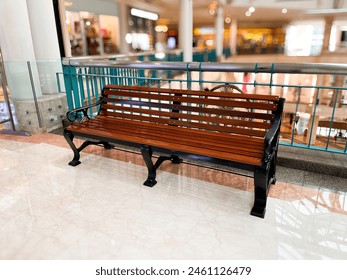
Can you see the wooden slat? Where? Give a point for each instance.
(210, 127)
(109, 89)
(196, 109)
(209, 119)
(201, 101)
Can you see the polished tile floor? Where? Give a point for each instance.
(101, 210)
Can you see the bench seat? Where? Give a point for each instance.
(229, 147)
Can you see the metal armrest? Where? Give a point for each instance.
(84, 109)
(271, 137)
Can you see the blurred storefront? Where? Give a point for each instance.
(260, 40)
(92, 34)
(93, 29)
(204, 37)
(141, 29)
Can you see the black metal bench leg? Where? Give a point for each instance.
(261, 185)
(176, 159)
(147, 152)
(69, 138)
(107, 145)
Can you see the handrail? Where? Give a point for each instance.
(128, 56)
(289, 68)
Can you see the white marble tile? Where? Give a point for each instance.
(101, 210)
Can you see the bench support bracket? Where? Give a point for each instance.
(147, 153)
(69, 136)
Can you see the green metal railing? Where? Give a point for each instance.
(314, 113)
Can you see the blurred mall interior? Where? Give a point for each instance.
(295, 28)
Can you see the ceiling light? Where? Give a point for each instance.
(209, 42)
(227, 20)
(144, 14)
(248, 14)
(161, 28)
(211, 12)
(251, 9)
(284, 11)
(159, 55)
(128, 38)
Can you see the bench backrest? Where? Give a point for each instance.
(224, 112)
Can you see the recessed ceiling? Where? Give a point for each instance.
(268, 12)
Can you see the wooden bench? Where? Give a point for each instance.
(239, 130)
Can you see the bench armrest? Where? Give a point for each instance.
(272, 136)
(76, 116)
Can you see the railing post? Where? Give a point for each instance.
(189, 77)
(70, 81)
(295, 113)
(334, 100)
(314, 121)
